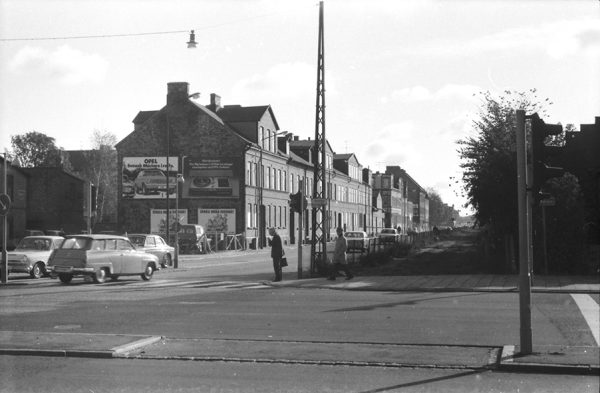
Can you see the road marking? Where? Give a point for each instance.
(590, 311)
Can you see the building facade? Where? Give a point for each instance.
(236, 170)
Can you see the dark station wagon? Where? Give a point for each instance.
(100, 257)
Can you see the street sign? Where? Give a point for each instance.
(318, 202)
(4, 204)
(548, 202)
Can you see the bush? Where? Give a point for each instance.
(377, 258)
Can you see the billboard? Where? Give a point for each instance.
(217, 220)
(158, 218)
(210, 178)
(146, 177)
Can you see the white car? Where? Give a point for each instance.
(32, 253)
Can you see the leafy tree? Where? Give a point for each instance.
(101, 169)
(439, 213)
(489, 163)
(35, 149)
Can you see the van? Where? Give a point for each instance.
(192, 239)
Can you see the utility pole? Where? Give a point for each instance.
(524, 199)
(319, 211)
(300, 219)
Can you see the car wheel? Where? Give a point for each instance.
(100, 276)
(38, 270)
(167, 261)
(148, 272)
(65, 278)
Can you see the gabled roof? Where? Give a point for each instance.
(296, 158)
(346, 157)
(241, 114)
(142, 116)
(307, 144)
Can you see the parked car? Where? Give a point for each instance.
(357, 240)
(192, 238)
(55, 232)
(100, 257)
(155, 245)
(388, 235)
(31, 255)
(34, 232)
(153, 181)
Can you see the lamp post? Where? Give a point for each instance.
(180, 179)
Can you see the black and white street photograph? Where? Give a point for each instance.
(299, 196)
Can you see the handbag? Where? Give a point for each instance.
(283, 262)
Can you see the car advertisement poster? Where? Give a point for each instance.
(217, 220)
(158, 218)
(210, 178)
(146, 177)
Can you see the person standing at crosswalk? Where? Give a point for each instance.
(276, 253)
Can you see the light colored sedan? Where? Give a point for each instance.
(153, 180)
(100, 257)
(32, 253)
(357, 240)
(155, 245)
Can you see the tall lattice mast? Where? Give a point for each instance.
(319, 211)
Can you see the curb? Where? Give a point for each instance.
(77, 353)
(376, 287)
(506, 364)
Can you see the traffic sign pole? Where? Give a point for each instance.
(524, 196)
(5, 206)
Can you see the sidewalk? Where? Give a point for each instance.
(447, 283)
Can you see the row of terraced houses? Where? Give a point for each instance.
(238, 170)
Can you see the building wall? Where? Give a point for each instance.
(55, 200)
(16, 188)
(194, 132)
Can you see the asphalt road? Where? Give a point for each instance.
(223, 297)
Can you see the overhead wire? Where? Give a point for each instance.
(76, 37)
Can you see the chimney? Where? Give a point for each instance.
(296, 138)
(177, 92)
(215, 102)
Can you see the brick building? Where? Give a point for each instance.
(238, 171)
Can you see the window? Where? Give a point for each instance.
(123, 245)
(261, 137)
(97, 245)
(249, 216)
(150, 241)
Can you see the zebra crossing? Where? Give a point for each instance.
(200, 284)
(155, 283)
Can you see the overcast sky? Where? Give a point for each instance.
(400, 75)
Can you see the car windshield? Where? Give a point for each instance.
(76, 243)
(388, 231)
(30, 243)
(138, 240)
(353, 234)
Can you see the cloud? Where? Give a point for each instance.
(558, 40)
(422, 94)
(284, 80)
(65, 64)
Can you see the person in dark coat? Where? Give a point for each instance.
(276, 253)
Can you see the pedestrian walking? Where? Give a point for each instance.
(276, 253)
(339, 257)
